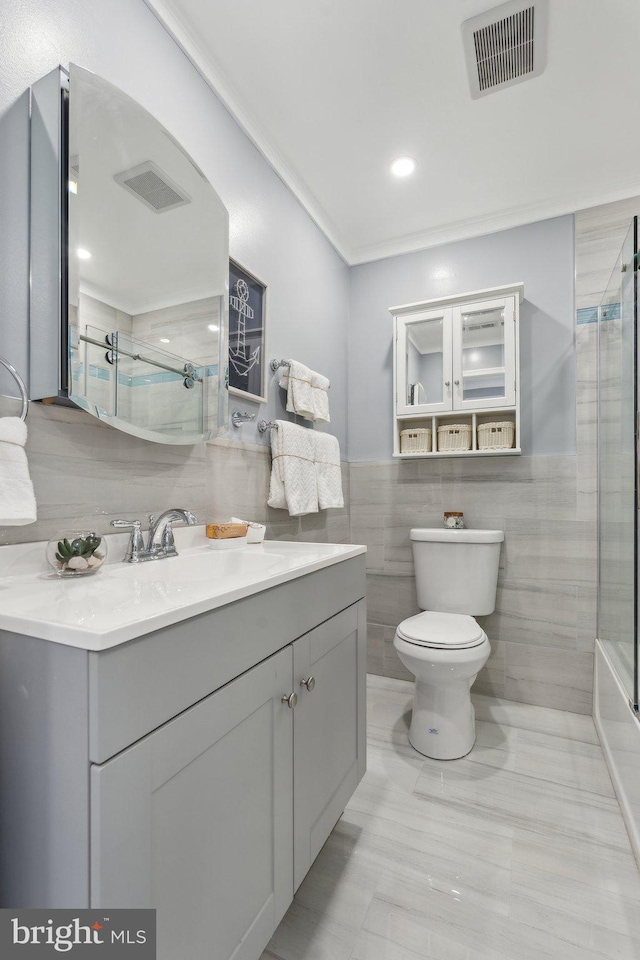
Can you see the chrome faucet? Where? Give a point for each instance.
(160, 542)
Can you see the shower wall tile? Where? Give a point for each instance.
(600, 232)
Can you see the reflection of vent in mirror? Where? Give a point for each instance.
(505, 45)
(153, 187)
(483, 326)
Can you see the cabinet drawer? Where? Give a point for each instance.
(136, 687)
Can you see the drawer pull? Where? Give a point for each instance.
(308, 682)
(290, 699)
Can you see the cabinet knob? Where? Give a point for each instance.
(290, 699)
(308, 682)
(447, 383)
(457, 383)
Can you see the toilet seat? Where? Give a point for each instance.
(444, 631)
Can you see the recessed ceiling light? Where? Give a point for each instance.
(164, 340)
(403, 166)
(83, 254)
(212, 327)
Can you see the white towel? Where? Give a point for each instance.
(328, 472)
(17, 499)
(296, 380)
(320, 397)
(293, 485)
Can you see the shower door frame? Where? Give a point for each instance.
(634, 695)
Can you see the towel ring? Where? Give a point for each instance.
(23, 390)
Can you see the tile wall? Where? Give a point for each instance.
(543, 629)
(85, 474)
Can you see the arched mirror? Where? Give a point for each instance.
(146, 255)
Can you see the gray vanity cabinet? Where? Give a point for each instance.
(215, 818)
(195, 820)
(171, 772)
(329, 732)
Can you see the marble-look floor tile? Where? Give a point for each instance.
(516, 852)
(576, 912)
(602, 867)
(520, 800)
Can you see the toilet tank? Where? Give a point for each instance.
(457, 570)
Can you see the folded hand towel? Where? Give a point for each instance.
(328, 472)
(320, 397)
(293, 484)
(17, 499)
(296, 380)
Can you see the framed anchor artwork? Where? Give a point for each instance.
(247, 317)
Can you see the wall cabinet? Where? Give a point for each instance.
(214, 816)
(458, 355)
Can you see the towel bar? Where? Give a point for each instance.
(23, 390)
(274, 364)
(263, 426)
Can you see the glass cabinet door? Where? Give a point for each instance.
(484, 354)
(423, 364)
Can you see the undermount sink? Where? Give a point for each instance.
(200, 563)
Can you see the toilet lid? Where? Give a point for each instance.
(431, 629)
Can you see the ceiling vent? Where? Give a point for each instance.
(505, 45)
(153, 187)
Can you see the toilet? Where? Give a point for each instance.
(444, 647)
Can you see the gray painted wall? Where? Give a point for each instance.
(271, 234)
(542, 256)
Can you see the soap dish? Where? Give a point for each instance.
(228, 543)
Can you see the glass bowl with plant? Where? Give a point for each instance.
(77, 554)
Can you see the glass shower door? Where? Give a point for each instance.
(617, 468)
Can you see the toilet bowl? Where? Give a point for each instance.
(444, 647)
(445, 652)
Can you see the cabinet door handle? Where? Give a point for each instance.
(290, 699)
(308, 682)
(457, 383)
(447, 383)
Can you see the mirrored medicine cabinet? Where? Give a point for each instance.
(129, 266)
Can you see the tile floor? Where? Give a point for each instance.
(516, 852)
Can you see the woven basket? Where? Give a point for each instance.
(496, 436)
(415, 441)
(455, 436)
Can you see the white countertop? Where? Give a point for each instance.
(123, 600)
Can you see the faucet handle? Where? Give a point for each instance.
(136, 524)
(152, 519)
(136, 543)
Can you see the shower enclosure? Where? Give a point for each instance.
(618, 468)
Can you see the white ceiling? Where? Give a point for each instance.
(332, 92)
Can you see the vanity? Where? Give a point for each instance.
(180, 735)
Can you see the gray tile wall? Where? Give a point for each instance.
(543, 629)
(542, 643)
(85, 474)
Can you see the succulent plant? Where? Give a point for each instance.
(83, 547)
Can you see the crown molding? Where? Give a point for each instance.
(172, 20)
(493, 223)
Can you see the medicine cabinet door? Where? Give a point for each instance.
(423, 362)
(484, 354)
